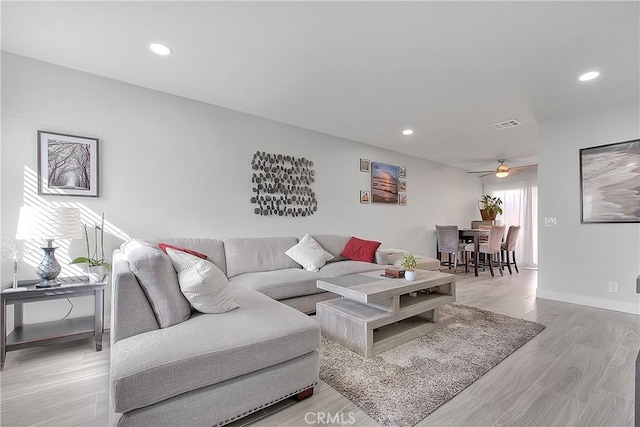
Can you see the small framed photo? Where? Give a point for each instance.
(402, 185)
(402, 171)
(365, 196)
(402, 199)
(67, 165)
(365, 165)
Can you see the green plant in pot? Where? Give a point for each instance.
(490, 207)
(97, 267)
(410, 263)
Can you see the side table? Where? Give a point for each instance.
(24, 336)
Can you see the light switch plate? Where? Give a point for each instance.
(549, 222)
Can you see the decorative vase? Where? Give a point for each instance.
(410, 275)
(49, 268)
(97, 273)
(15, 274)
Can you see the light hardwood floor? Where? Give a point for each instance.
(578, 372)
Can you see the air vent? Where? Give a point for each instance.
(506, 124)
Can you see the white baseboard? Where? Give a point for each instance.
(607, 304)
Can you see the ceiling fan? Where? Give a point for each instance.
(503, 170)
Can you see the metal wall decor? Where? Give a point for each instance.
(282, 185)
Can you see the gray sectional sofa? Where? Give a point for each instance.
(211, 369)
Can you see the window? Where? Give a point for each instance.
(520, 207)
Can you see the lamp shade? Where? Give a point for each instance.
(36, 223)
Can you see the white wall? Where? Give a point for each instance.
(176, 167)
(578, 260)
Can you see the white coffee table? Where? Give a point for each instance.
(378, 313)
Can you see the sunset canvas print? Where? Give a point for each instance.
(384, 183)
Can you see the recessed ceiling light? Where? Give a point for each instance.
(588, 76)
(407, 132)
(160, 49)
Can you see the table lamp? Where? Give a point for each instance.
(48, 223)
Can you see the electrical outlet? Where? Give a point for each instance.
(549, 222)
(613, 287)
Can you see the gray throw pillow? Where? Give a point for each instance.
(159, 281)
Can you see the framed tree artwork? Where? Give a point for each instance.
(610, 183)
(67, 165)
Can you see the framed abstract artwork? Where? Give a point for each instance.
(365, 165)
(610, 183)
(365, 196)
(384, 183)
(67, 165)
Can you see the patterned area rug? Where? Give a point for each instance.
(402, 386)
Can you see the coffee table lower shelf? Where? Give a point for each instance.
(368, 330)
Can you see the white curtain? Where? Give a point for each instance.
(520, 207)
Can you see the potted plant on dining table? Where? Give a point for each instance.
(489, 207)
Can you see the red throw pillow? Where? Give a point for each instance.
(164, 247)
(360, 250)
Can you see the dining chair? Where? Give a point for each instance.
(491, 248)
(449, 243)
(509, 246)
(484, 239)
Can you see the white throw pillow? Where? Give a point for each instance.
(309, 254)
(202, 283)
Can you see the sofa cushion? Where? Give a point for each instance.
(342, 268)
(208, 349)
(212, 248)
(309, 254)
(332, 243)
(248, 255)
(360, 250)
(280, 284)
(159, 281)
(203, 284)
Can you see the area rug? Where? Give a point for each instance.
(402, 386)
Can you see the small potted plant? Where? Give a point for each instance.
(489, 207)
(410, 263)
(96, 267)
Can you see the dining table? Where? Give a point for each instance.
(473, 234)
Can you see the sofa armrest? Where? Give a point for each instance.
(381, 258)
(131, 313)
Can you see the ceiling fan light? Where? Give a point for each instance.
(502, 173)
